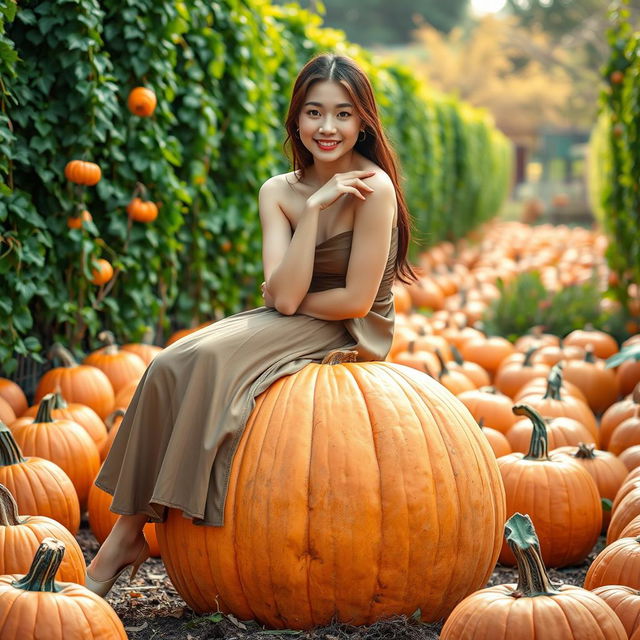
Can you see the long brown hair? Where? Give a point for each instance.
(375, 146)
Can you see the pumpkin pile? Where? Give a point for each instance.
(455, 423)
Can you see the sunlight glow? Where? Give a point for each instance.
(481, 7)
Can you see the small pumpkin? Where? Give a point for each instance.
(513, 375)
(76, 222)
(604, 345)
(20, 536)
(121, 367)
(631, 457)
(142, 210)
(85, 416)
(561, 432)
(80, 172)
(62, 441)
(101, 271)
(536, 483)
(535, 608)
(26, 602)
(617, 413)
(626, 434)
(142, 101)
(7, 414)
(491, 406)
(77, 383)
(14, 395)
(38, 485)
(605, 468)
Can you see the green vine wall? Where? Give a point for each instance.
(222, 73)
(615, 157)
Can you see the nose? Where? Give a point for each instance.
(327, 125)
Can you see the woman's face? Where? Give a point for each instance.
(328, 115)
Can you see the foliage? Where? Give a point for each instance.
(525, 303)
(616, 139)
(523, 77)
(377, 22)
(222, 74)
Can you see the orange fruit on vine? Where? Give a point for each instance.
(77, 221)
(142, 210)
(102, 271)
(616, 77)
(142, 102)
(81, 172)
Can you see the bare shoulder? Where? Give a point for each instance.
(273, 185)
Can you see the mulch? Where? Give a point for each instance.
(150, 607)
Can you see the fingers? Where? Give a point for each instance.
(354, 191)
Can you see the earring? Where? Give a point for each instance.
(363, 137)
(298, 132)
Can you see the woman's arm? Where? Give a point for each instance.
(287, 258)
(368, 259)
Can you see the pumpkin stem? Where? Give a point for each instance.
(636, 394)
(60, 402)
(490, 389)
(481, 422)
(111, 418)
(527, 356)
(8, 508)
(444, 371)
(9, 450)
(109, 340)
(64, 355)
(44, 408)
(554, 382)
(411, 347)
(538, 447)
(585, 451)
(533, 579)
(339, 356)
(589, 356)
(457, 356)
(45, 565)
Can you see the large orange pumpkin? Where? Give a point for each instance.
(39, 486)
(355, 480)
(55, 610)
(20, 536)
(535, 608)
(625, 601)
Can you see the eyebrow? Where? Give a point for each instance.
(319, 104)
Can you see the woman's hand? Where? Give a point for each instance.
(268, 299)
(339, 185)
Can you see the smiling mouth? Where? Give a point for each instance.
(328, 145)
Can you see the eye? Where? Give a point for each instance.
(346, 113)
(312, 111)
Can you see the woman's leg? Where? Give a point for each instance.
(120, 548)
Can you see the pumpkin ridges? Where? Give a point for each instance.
(249, 530)
(53, 441)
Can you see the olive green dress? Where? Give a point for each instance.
(176, 442)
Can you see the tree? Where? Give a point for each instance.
(380, 22)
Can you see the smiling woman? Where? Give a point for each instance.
(335, 235)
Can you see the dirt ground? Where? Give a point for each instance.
(151, 608)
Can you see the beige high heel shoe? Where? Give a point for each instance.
(102, 587)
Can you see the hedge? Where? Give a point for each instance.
(222, 73)
(614, 152)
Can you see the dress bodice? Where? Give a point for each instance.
(373, 333)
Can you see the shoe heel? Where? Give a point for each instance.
(145, 552)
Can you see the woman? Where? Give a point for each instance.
(335, 234)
